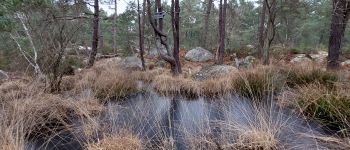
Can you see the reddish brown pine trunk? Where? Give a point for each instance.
(339, 20)
(262, 29)
(176, 35)
(141, 31)
(222, 23)
(94, 35)
(206, 24)
(270, 31)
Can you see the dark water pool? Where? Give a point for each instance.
(201, 123)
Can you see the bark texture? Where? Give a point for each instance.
(270, 32)
(340, 17)
(206, 24)
(172, 59)
(222, 25)
(261, 33)
(141, 16)
(95, 36)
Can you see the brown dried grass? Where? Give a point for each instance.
(121, 141)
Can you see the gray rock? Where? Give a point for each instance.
(208, 72)
(250, 46)
(300, 58)
(3, 75)
(345, 63)
(246, 62)
(199, 55)
(154, 53)
(321, 56)
(132, 63)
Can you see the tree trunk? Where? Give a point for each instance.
(94, 35)
(115, 28)
(163, 39)
(101, 37)
(175, 67)
(339, 19)
(222, 24)
(141, 31)
(159, 9)
(206, 24)
(261, 33)
(270, 32)
(175, 24)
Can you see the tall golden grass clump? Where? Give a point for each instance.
(87, 105)
(167, 85)
(32, 116)
(260, 133)
(297, 76)
(148, 75)
(258, 83)
(13, 89)
(107, 81)
(216, 87)
(27, 113)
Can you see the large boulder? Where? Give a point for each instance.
(345, 63)
(132, 63)
(3, 75)
(321, 56)
(199, 55)
(300, 58)
(208, 72)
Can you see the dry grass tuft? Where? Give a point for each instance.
(88, 105)
(254, 83)
(216, 87)
(256, 139)
(122, 141)
(27, 113)
(12, 89)
(331, 107)
(333, 142)
(111, 81)
(38, 115)
(308, 75)
(68, 83)
(258, 83)
(167, 85)
(147, 76)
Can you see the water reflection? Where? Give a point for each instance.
(179, 123)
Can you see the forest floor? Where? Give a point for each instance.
(28, 112)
